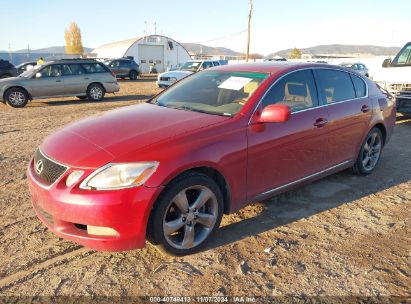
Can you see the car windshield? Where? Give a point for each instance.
(212, 92)
(191, 66)
(31, 72)
(404, 57)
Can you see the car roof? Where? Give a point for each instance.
(272, 66)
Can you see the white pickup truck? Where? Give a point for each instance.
(395, 77)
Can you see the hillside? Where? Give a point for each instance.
(342, 49)
(209, 50)
(52, 50)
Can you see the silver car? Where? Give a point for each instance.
(67, 77)
(360, 68)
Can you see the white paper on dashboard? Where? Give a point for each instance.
(234, 83)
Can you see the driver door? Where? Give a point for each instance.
(281, 154)
(50, 83)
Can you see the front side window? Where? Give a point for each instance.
(296, 90)
(335, 86)
(53, 70)
(404, 57)
(218, 93)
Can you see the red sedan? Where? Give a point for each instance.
(168, 169)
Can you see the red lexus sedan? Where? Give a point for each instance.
(167, 170)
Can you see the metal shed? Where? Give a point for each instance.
(163, 51)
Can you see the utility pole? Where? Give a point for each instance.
(250, 11)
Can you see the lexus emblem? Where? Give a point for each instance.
(39, 166)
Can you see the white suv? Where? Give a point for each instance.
(168, 78)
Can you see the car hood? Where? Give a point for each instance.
(95, 141)
(393, 75)
(177, 74)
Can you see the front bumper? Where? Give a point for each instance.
(67, 211)
(164, 84)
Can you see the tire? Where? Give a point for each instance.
(370, 153)
(5, 76)
(16, 98)
(82, 97)
(133, 75)
(95, 92)
(189, 227)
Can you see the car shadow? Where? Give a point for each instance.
(325, 194)
(107, 99)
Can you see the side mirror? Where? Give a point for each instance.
(386, 63)
(38, 75)
(274, 113)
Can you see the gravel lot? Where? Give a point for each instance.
(341, 236)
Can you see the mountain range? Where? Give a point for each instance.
(343, 49)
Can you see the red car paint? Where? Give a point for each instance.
(257, 160)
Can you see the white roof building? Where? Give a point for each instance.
(162, 51)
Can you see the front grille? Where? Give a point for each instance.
(45, 169)
(405, 87)
(164, 78)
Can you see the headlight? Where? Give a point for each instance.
(119, 176)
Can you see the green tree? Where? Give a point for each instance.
(295, 54)
(72, 35)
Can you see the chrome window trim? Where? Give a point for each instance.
(315, 80)
(48, 187)
(266, 193)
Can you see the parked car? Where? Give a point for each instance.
(25, 66)
(210, 144)
(124, 68)
(168, 78)
(7, 69)
(83, 78)
(360, 68)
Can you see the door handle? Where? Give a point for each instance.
(58, 80)
(86, 78)
(320, 122)
(365, 108)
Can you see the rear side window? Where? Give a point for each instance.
(72, 69)
(359, 86)
(335, 86)
(296, 90)
(93, 68)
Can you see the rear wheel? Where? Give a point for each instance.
(95, 92)
(186, 215)
(370, 153)
(133, 75)
(16, 98)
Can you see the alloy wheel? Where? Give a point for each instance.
(17, 98)
(96, 93)
(371, 151)
(190, 217)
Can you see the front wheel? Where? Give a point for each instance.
(370, 153)
(16, 98)
(95, 92)
(186, 215)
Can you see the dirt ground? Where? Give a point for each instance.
(341, 236)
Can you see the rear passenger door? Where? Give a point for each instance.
(349, 112)
(75, 81)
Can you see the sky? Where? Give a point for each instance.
(275, 25)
